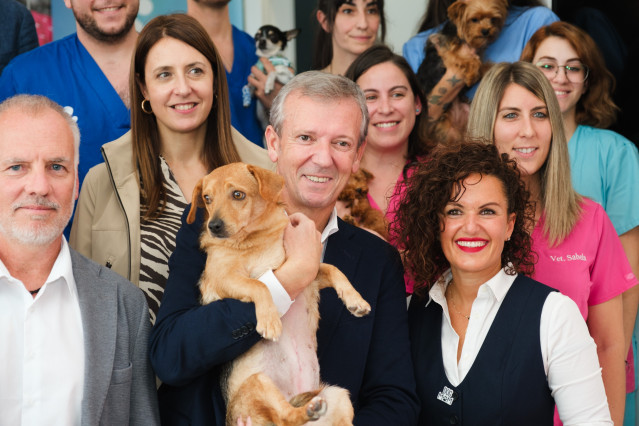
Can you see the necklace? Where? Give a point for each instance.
(452, 299)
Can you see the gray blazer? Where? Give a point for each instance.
(119, 384)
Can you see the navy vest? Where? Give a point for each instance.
(506, 384)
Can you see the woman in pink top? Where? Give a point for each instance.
(397, 128)
(578, 250)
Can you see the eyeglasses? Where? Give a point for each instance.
(576, 72)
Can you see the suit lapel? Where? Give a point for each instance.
(345, 257)
(99, 323)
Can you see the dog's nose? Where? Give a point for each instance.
(485, 31)
(216, 227)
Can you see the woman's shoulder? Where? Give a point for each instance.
(604, 138)
(249, 152)
(540, 14)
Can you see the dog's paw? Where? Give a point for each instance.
(360, 308)
(269, 325)
(316, 408)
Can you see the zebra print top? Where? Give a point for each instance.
(157, 241)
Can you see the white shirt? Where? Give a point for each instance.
(569, 353)
(41, 349)
(280, 296)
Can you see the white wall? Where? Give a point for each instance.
(280, 13)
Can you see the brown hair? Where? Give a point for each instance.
(439, 181)
(419, 143)
(218, 145)
(323, 52)
(595, 107)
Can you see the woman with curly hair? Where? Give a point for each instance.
(490, 345)
(579, 252)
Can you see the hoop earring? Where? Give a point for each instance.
(150, 111)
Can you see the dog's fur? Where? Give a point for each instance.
(270, 43)
(362, 214)
(243, 238)
(476, 23)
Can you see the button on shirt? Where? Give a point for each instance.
(41, 349)
(568, 352)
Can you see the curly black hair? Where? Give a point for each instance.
(439, 181)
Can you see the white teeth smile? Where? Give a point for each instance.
(525, 150)
(391, 124)
(472, 243)
(109, 9)
(183, 107)
(560, 93)
(317, 179)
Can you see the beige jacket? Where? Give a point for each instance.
(106, 225)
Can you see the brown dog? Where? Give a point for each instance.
(243, 238)
(471, 26)
(362, 214)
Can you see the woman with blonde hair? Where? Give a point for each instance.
(578, 250)
(604, 164)
(130, 206)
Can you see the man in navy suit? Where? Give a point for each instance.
(316, 137)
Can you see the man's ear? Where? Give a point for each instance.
(322, 19)
(358, 157)
(272, 143)
(76, 189)
(67, 3)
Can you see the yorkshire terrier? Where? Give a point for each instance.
(362, 214)
(270, 42)
(475, 23)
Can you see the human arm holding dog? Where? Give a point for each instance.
(449, 86)
(257, 79)
(190, 339)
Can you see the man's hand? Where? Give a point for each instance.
(303, 246)
(258, 80)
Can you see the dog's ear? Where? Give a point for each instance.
(196, 201)
(291, 34)
(367, 175)
(456, 11)
(269, 184)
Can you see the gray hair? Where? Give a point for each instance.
(322, 86)
(35, 105)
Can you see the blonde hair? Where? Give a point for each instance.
(559, 200)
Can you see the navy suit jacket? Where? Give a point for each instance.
(369, 356)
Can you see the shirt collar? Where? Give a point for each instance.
(498, 286)
(62, 269)
(331, 227)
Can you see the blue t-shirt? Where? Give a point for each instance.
(521, 24)
(244, 119)
(605, 167)
(65, 72)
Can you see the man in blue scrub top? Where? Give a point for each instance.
(237, 50)
(86, 72)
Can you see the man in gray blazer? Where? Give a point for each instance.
(74, 334)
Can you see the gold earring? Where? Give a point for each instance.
(150, 111)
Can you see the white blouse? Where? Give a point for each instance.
(568, 352)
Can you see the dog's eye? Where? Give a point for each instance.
(238, 195)
(474, 20)
(207, 199)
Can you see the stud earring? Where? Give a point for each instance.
(417, 111)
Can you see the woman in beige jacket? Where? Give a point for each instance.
(130, 206)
